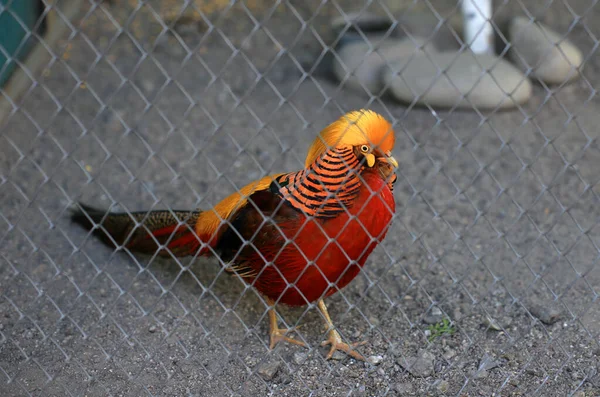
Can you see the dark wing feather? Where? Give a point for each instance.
(254, 231)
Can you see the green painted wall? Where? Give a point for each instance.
(17, 19)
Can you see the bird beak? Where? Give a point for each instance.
(390, 159)
(370, 159)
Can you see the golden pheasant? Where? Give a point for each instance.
(296, 237)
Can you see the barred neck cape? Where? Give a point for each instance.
(325, 189)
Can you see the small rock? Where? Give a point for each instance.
(420, 366)
(440, 79)
(152, 329)
(381, 372)
(479, 374)
(430, 319)
(268, 370)
(488, 362)
(339, 356)
(29, 335)
(364, 64)
(443, 386)
(552, 58)
(547, 315)
(449, 354)
(403, 388)
(491, 323)
(500, 324)
(365, 21)
(300, 358)
(375, 360)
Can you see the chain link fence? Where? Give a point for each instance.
(486, 284)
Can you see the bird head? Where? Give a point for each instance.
(370, 136)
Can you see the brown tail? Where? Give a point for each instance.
(143, 231)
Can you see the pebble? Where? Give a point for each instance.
(443, 386)
(432, 319)
(339, 356)
(547, 315)
(403, 388)
(268, 370)
(496, 325)
(152, 329)
(300, 358)
(364, 64)
(553, 59)
(479, 374)
(488, 362)
(375, 360)
(419, 366)
(449, 354)
(462, 73)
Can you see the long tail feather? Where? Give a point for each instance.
(143, 231)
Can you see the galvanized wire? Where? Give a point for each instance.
(176, 104)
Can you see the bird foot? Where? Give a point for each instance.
(336, 343)
(279, 334)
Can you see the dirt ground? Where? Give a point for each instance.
(496, 229)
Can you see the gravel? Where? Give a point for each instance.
(489, 219)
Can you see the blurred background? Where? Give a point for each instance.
(487, 283)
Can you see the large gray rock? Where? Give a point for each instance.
(464, 79)
(552, 59)
(365, 63)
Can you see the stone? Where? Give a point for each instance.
(547, 315)
(268, 370)
(364, 63)
(449, 354)
(500, 324)
(443, 386)
(152, 329)
(300, 358)
(464, 80)
(420, 366)
(552, 58)
(488, 362)
(479, 374)
(365, 21)
(403, 388)
(433, 317)
(375, 360)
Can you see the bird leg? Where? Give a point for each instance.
(279, 334)
(335, 340)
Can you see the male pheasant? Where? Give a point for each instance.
(296, 237)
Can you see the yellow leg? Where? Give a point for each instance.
(334, 339)
(279, 334)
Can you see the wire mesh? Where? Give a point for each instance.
(486, 283)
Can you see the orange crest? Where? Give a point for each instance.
(360, 127)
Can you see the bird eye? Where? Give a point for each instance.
(364, 149)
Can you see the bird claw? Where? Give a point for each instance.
(279, 334)
(336, 343)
